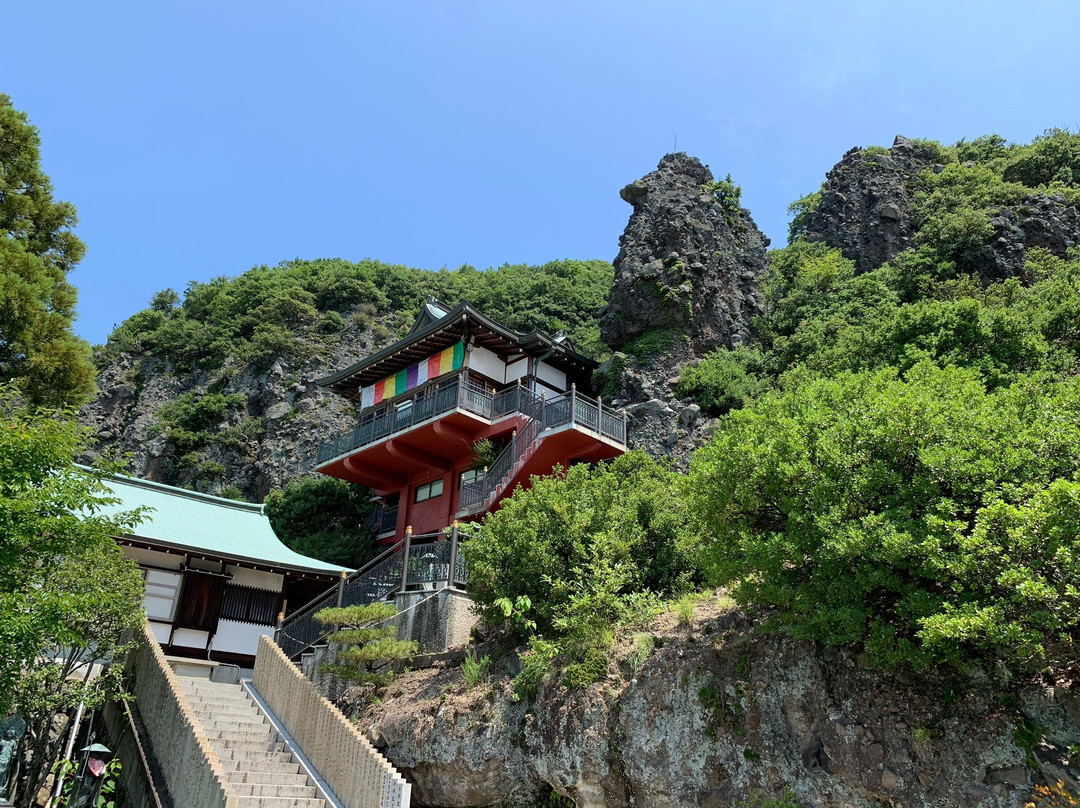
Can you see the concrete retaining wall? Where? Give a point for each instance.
(346, 760)
(191, 769)
(436, 622)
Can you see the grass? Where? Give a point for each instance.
(473, 670)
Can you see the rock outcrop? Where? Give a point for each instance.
(688, 262)
(270, 439)
(723, 718)
(865, 204)
(686, 282)
(865, 212)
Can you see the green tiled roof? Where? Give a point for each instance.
(188, 520)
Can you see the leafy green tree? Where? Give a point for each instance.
(370, 645)
(579, 552)
(67, 594)
(323, 518)
(37, 250)
(922, 520)
(725, 380)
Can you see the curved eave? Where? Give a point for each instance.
(262, 564)
(463, 320)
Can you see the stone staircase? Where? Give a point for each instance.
(261, 770)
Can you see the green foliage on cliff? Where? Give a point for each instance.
(294, 310)
(898, 471)
(922, 518)
(590, 548)
(38, 351)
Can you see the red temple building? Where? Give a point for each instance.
(456, 379)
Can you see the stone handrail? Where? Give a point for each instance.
(189, 766)
(353, 769)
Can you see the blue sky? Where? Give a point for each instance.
(199, 139)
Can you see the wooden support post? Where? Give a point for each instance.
(341, 587)
(573, 404)
(453, 555)
(405, 558)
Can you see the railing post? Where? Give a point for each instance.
(405, 558)
(573, 403)
(277, 628)
(341, 587)
(453, 555)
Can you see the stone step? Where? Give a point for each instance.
(249, 759)
(264, 745)
(268, 778)
(240, 734)
(280, 802)
(261, 772)
(248, 723)
(270, 790)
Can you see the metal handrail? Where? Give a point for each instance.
(458, 392)
(570, 408)
(427, 402)
(376, 580)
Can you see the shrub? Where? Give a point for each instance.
(322, 518)
(370, 647)
(725, 380)
(596, 533)
(474, 670)
(921, 521)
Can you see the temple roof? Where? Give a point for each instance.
(201, 524)
(437, 328)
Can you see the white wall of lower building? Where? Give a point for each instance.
(255, 578)
(190, 638)
(239, 638)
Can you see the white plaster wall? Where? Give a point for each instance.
(190, 638)
(240, 638)
(518, 369)
(256, 578)
(161, 632)
(556, 378)
(487, 363)
(205, 565)
(152, 558)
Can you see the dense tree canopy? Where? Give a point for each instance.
(324, 519)
(293, 310)
(37, 250)
(922, 518)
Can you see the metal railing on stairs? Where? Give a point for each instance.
(424, 561)
(541, 414)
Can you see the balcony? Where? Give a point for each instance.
(428, 403)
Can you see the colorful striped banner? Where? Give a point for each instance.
(412, 377)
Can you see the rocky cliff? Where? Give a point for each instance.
(689, 261)
(687, 280)
(866, 212)
(256, 446)
(716, 716)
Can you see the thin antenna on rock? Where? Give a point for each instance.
(674, 141)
